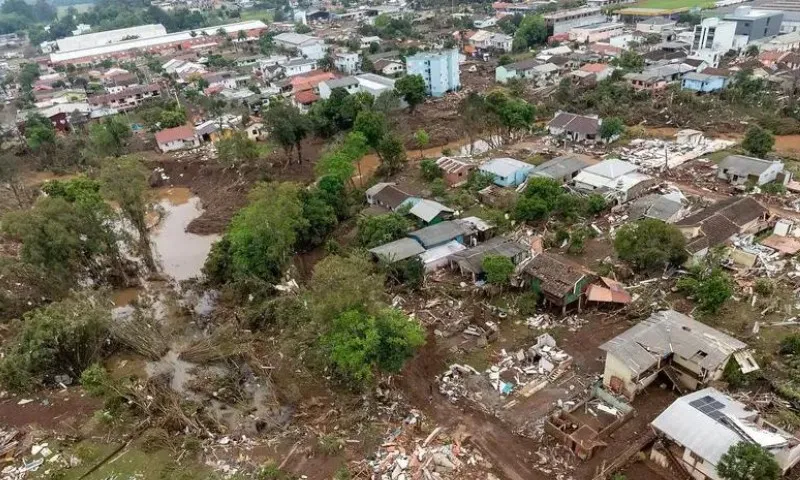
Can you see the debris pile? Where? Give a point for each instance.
(404, 456)
(655, 154)
(544, 322)
(529, 370)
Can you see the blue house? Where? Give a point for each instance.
(703, 82)
(507, 172)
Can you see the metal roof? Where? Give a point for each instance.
(611, 168)
(709, 423)
(427, 210)
(505, 166)
(341, 82)
(655, 206)
(441, 232)
(472, 259)
(742, 165)
(668, 331)
(561, 167)
(292, 38)
(398, 250)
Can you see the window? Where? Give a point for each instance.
(695, 458)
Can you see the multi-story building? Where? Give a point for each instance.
(347, 62)
(439, 71)
(563, 21)
(306, 45)
(755, 24)
(713, 38)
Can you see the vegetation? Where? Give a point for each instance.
(748, 461)
(758, 141)
(289, 127)
(709, 285)
(237, 149)
(380, 229)
(531, 32)
(611, 128)
(430, 170)
(498, 269)
(411, 88)
(650, 245)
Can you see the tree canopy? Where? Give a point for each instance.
(748, 461)
(650, 244)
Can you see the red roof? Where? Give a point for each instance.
(594, 67)
(306, 97)
(178, 133)
(309, 80)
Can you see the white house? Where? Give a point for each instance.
(347, 62)
(699, 428)
(389, 67)
(615, 179)
(306, 45)
(299, 66)
(367, 41)
(739, 170)
(178, 138)
(537, 71)
(349, 84)
(690, 353)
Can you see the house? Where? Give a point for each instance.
(439, 71)
(741, 170)
(366, 42)
(607, 291)
(389, 67)
(397, 251)
(562, 21)
(596, 32)
(470, 261)
(178, 138)
(713, 38)
(601, 71)
(507, 172)
(444, 232)
(690, 353)
(755, 23)
(126, 99)
(347, 62)
(349, 84)
(484, 40)
(655, 25)
(375, 85)
(486, 22)
(562, 169)
(657, 78)
(430, 211)
(666, 208)
(703, 82)
(387, 195)
(256, 131)
(304, 99)
(556, 280)
(615, 179)
(305, 45)
(455, 171)
(717, 223)
(576, 128)
(539, 72)
(699, 428)
(298, 66)
(437, 257)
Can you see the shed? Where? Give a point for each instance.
(470, 261)
(454, 170)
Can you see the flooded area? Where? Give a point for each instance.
(181, 254)
(179, 371)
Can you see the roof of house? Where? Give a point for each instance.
(441, 232)
(391, 196)
(293, 38)
(503, 167)
(306, 97)
(441, 252)
(450, 164)
(382, 63)
(557, 276)
(523, 65)
(655, 206)
(708, 423)
(643, 345)
(125, 93)
(742, 165)
(722, 72)
(611, 168)
(472, 259)
(427, 210)
(701, 77)
(562, 166)
(607, 290)
(172, 134)
(595, 67)
(398, 250)
(738, 210)
(341, 82)
(572, 122)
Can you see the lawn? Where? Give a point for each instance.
(671, 4)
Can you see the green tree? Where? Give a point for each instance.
(107, 138)
(430, 170)
(237, 149)
(532, 31)
(39, 133)
(301, 28)
(171, 118)
(10, 176)
(372, 125)
(611, 127)
(359, 343)
(513, 115)
(392, 155)
(289, 127)
(650, 245)
(63, 338)
(320, 219)
(380, 229)
(498, 269)
(708, 284)
(266, 44)
(505, 59)
(411, 88)
(757, 141)
(341, 283)
(124, 181)
(748, 461)
(629, 61)
(422, 139)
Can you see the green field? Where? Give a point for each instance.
(670, 4)
(80, 7)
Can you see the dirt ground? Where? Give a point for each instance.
(62, 408)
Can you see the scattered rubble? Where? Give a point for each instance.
(657, 155)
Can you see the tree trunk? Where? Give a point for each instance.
(17, 194)
(299, 148)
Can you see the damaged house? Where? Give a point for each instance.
(667, 208)
(742, 170)
(470, 261)
(615, 179)
(691, 354)
(556, 280)
(699, 428)
(563, 168)
(717, 223)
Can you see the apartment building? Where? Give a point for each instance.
(563, 21)
(439, 71)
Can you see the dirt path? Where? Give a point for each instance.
(509, 453)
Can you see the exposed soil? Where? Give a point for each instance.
(56, 409)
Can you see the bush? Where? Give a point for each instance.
(527, 303)
(498, 269)
(430, 171)
(96, 381)
(381, 229)
(764, 287)
(63, 338)
(409, 273)
(790, 345)
(748, 461)
(577, 241)
(710, 287)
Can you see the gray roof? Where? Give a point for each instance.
(668, 331)
(427, 210)
(743, 165)
(572, 122)
(701, 77)
(505, 166)
(295, 38)
(561, 167)
(708, 423)
(341, 82)
(398, 250)
(523, 65)
(655, 206)
(611, 168)
(441, 232)
(472, 259)
(299, 61)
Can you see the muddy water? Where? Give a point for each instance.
(181, 254)
(179, 370)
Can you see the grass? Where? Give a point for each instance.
(265, 15)
(80, 7)
(672, 4)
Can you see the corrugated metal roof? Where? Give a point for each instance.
(398, 250)
(441, 232)
(427, 210)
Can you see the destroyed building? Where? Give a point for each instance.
(691, 354)
(470, 261)
(615, 179)
(717, 223)
(741, 170)
(577, 128)
(667, 208)
(699, 428)
(555, 279)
